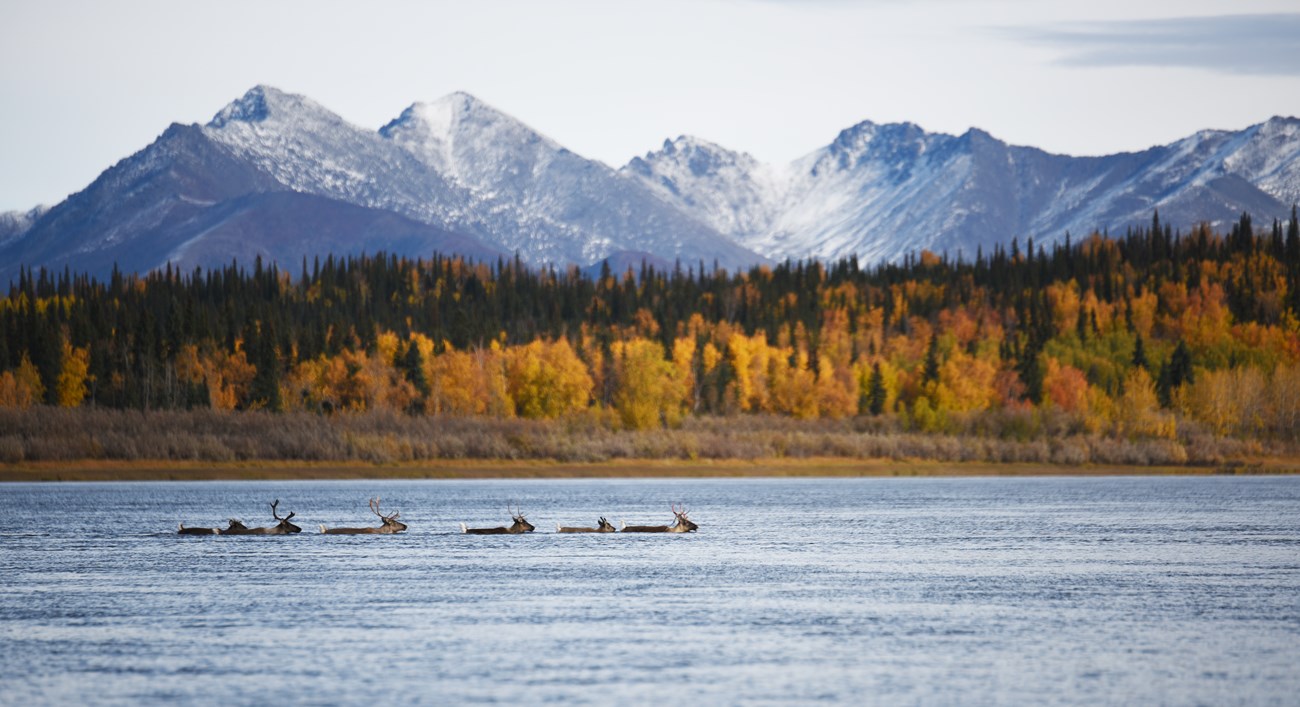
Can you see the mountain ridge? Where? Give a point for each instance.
(879, 191)
(457, 173)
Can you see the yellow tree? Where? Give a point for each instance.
(492, 361)
(741, 357)
(836, 382)
(970, 382)
(1064, 299)
(229, 377)
(547, 379)
(649, 388)
(71, 384)
(835, 390)
(684, 369)
(1228, 401)
(1137, 410)
(793, 385)
(21, 388)
(1284, 402)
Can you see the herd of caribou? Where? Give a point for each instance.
(391, 525)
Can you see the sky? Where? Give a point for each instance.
(85, 83)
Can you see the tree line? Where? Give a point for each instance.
(1130, 335)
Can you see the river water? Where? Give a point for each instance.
(935, 591)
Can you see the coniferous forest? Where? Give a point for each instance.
(1158, 338)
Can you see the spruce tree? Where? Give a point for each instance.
(932, 360)
(1140, 354)
(265, 389)
(413, 369)
(876, 393)
(1175, 373)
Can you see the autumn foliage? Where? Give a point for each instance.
(1138, 337)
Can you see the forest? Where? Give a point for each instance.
(1153, 336)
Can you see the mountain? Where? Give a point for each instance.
(882, 191)
(277, 175)
(543, 201)
(272, 175)
(15, 223)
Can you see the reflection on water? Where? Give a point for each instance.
(1139, 590)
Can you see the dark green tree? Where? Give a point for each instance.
(1175, 373)
(1140, 354)
(931, 370)
(264, 392)
(876, 394)
(413, 369)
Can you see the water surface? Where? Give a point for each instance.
(938, 591)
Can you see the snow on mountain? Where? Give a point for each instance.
(254, 182)
(309, 149)
(277, 175)
(730, 191)
(15, 224)
(543, 201)
(882, 191)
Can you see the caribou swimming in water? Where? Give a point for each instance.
(602, 526)
(683, 525)
(234, 527)
(521, 525)
(282, 527)
(390, 524)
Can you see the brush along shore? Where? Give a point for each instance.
(55, 443)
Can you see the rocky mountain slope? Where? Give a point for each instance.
(277, 175)
(881, 191)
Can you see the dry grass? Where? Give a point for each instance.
(41, 442)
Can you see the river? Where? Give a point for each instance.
(1171, 590)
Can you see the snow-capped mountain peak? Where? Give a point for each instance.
(267, 103)
(465, 137)
(879, 191)
(277, 174)
(731, 191)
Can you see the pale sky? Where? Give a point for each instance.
(86, 83)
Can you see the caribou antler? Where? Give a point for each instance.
(374, 506)
(276, 515)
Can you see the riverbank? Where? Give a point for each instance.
(623, 468)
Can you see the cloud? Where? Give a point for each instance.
(1266, 44)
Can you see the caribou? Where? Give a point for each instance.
(283, 527)
(683, 525)
(391, 524)
(521, 525)
(602, 526)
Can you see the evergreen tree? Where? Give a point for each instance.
(413, 369)
(1175, 373)
(931, 371)
(1140, 354)
(264, 392)
(876, 393)
(1031, 373)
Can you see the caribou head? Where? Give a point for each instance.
(521, 525)
(282, 526)
(683, 525)
(390, 524)
(602, 526)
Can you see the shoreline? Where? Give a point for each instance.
(254, 470)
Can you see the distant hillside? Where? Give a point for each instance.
(277, 175)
